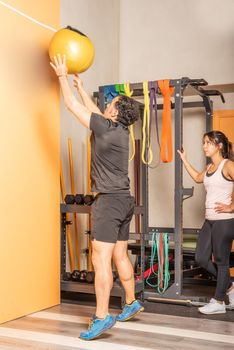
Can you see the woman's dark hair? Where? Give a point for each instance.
(128, 110)
(217, 137)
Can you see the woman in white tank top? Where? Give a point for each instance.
(217, 233)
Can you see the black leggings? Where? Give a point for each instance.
(216, 238)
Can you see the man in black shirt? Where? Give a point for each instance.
(113, 207)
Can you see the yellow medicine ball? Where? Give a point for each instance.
(77, 47)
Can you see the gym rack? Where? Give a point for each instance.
(182, 87)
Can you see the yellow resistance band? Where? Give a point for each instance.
(146, 128)
(129, 93)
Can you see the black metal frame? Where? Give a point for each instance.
(175, 291)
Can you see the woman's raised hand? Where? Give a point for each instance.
(182, 154)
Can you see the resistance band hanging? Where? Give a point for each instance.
(153, 87)
(160, 270)
(146, 128)
(119, 88)
(166, 137)
(129, 93)
(109, 93)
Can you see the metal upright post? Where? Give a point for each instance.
(208, 104)
(63, 244)
(101, 99)
(144, 220)
(178, 210)
(209, 112)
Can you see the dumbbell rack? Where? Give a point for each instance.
(88, 288)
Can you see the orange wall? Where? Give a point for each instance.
(224, 121)
(29, 158)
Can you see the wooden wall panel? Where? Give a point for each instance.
(29, 146)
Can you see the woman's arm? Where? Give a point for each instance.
(195, 175)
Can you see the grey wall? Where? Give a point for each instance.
(166, 39)
(172, 39)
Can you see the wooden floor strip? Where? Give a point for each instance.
(57, 328)
(141, 327)
(19, 344)
(73, 342)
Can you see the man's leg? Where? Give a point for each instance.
(126, 275)
(103, 231)
(125, 269)
(101, 258)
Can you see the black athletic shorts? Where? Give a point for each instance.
(111, 217)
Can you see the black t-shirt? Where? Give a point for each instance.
(109, 155)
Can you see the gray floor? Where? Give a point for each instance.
(159, 308)
(58, 328)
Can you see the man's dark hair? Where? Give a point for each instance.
(128, 110)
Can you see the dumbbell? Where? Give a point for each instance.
(69, 199)
(75, 276)
(79, 199)
(90, 276)
(87, 276)
(66, 276)
(89, 199)
(83, 275)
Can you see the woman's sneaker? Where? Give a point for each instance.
(97, 326)
(130, 311)
(213, 308)
(231, 296)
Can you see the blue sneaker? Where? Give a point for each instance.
(130, 311)
(97, 326)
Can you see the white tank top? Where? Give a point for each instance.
(218, 189)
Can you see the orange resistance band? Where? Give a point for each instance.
(166, 137)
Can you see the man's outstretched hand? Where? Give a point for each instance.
(77, 82)
(59, 65)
